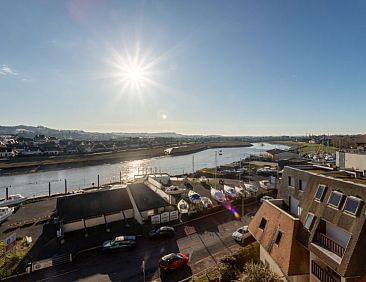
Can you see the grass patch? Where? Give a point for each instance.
(309, 148)
(9, 263)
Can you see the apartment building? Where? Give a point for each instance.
(316, 231)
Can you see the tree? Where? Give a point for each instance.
(258, 272)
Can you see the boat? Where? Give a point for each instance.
(194, 197)
(183, 206)
(251, 187)
(12, 200)
(241, 192)
(174, 190)
(265, 184)
(230, 192)
(5, 212)
(203, 179)
(218, 195)
(206, 202)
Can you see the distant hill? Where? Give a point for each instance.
(31, 131)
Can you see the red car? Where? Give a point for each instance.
(173, 261)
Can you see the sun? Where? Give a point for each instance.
(134, 71)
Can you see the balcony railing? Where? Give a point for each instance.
(322, 274)
(330, 244)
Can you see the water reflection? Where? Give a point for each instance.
(77, 178)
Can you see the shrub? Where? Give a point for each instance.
(258, 272)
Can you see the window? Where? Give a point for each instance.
(278, 237)
(335, 199)
(300, 185)
(289, 181)
(351, 205)
(309, 221)
(263, 223)
(320, 192)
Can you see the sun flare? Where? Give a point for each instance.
(135, 71)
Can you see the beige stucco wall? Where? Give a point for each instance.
(72, 226)
(356, 161)
(265, 257)
(94, 221)
(114, 217)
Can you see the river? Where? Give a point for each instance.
(36, 184)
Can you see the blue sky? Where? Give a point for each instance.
(215, 67)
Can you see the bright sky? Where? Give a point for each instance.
(193, 67)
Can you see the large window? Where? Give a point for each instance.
(300, 185)
(335, 199)
(309, 221)
(263, 223)
(289, 181)
(352, 204)
(320, 192)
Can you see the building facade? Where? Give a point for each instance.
(324, 212)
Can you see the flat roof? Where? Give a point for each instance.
(91, 204)
(145, 198)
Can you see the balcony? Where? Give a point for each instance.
(329, 244)
(323, 275)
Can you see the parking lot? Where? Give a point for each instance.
(205, 240)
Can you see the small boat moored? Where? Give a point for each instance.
(206, 202)
(12, 200)
(194, 197)
(218, 195)
(5, 212)
(183, 206)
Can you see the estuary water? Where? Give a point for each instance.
(36, 184)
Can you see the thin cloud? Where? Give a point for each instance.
(6, 70)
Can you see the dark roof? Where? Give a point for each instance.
(91, 204)
(275, 151)
(145, 198)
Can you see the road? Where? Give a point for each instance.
(205, 240)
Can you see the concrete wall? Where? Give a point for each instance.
(156, 187)
(136, 213)
(355, 161)
(94, 221)
(114, 217)
(273, 266)
(72, 226)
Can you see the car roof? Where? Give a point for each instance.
(125, 238)
(167, 228)
(169, 257)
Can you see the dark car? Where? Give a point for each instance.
(120, 243)
(164, 231)
(173, 261)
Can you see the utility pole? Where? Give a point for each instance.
(193, 163)
(215, 169)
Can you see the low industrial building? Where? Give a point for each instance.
(84, 210)
(139, 201)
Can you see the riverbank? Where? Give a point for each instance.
(36, 164)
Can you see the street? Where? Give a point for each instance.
(205, 240)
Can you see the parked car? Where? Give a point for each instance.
(173, 261)
(120, 243)
(264, 198)
(238, 234)
(164, 231)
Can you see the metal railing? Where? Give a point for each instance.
(330, 244)
(322, 274)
